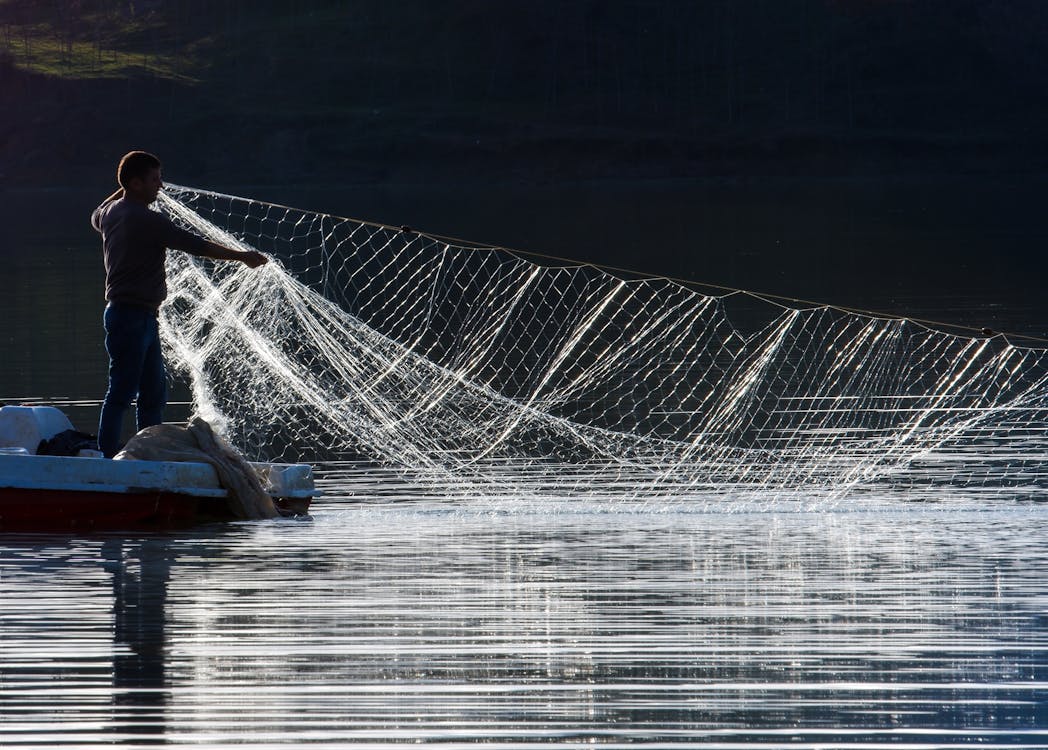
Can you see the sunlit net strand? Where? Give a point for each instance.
(479, 369)
(196, 344)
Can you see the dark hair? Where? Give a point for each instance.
(135, 164)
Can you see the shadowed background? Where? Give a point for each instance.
(881, 155)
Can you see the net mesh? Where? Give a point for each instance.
(476, 369)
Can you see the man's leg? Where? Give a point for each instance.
(126, 343)
(152, 388)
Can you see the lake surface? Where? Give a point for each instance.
(391, 619)
(507, 624)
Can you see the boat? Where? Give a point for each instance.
(86, 492)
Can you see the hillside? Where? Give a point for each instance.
(328, 92)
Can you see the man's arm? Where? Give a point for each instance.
(250, 258)
(189, 242)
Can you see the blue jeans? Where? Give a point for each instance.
(136, 373)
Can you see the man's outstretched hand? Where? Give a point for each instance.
(253, 259)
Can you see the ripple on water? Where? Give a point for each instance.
(511, 624)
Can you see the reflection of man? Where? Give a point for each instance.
(134, 243)
(140, 577)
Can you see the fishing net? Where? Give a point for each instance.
(476, 369)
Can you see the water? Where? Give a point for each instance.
(961, 251)
(553, 623)
(390, 619)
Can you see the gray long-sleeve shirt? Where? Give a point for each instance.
(134, 244)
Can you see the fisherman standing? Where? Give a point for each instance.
(135, 240)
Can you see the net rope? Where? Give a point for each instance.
(474, 369)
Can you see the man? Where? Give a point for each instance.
(134, 244)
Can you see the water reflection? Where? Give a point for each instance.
(517, 626)
(82, 639)
(140, 574)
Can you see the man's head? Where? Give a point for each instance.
(139, 176)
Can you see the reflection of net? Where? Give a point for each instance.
(476, 366)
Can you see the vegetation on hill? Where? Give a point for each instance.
(269, 90)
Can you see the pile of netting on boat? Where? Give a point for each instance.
(476, 369)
